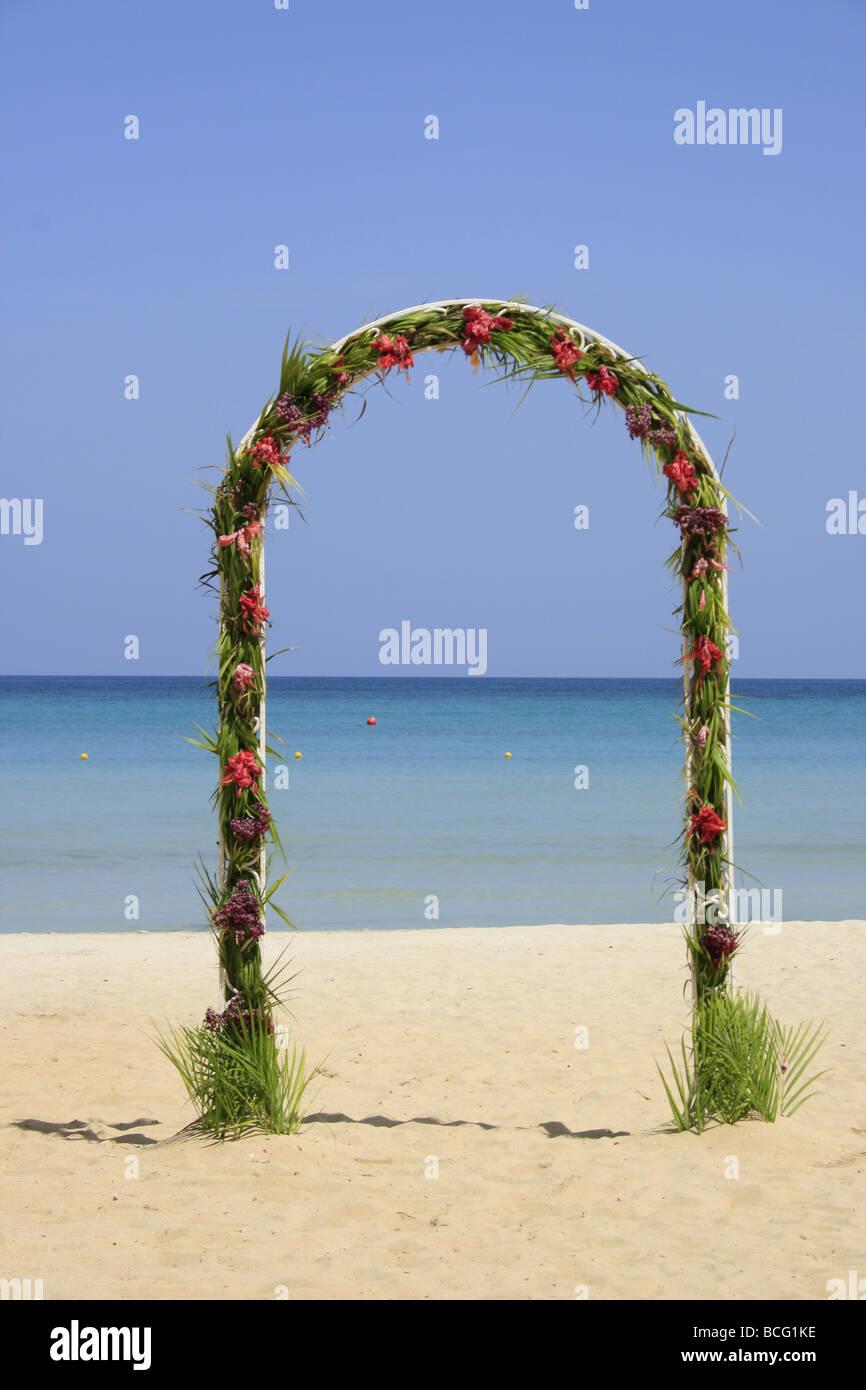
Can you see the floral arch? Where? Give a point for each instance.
(527, 344)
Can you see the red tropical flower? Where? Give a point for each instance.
(242, 770)
(253, 611)
(342, 377)
(705, 654)
(394, 352)
(266, 451)
(682, 474)
(243, 537)
(478, 326)
(707, 825)
(603, 380)
(565, 352)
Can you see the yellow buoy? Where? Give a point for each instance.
(508, 755)
(84, 757)
(297, 755)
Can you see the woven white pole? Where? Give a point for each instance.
(222, 847)
(728, 879)
(262, 726)
(687, 744)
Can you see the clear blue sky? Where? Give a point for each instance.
(306, 127)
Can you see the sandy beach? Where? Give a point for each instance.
(460, 1145)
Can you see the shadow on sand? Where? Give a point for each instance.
(94, 1131)
(91, 1130)
(554, 1129)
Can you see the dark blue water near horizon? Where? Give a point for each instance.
(382, 823)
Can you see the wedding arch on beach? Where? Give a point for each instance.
(526, 344)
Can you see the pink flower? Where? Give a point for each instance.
(394, 353)
(703, 598)
(243, 677)
(565, 352)
(242, 536)
(701, 736)
(603, 380)
(706, 563)
(266, 451)
(242, 770)
(705, 654)
(478, 326)
(681, 473)
(253, 611)
(245, 535)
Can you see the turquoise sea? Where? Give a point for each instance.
(422, 812)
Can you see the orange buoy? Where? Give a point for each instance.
(297, 755)
(84, 757)
(508, 755)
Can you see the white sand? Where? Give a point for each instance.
(576, 1182)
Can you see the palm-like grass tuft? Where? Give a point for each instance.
(240, 1076)
(742, 1062)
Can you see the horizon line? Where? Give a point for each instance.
(185, 675)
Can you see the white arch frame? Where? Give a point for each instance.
(587, 336)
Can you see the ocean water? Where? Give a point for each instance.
(378, 823)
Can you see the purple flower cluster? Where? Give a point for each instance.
(303, 424)
(240, 915)
(639, 422)
(251, 511)
(236, 1014)
(254, 826)
(719, 943)
(286, 409)
(700, 521)
(663, 436)
(641, 426)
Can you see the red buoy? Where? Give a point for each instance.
(371, 720)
